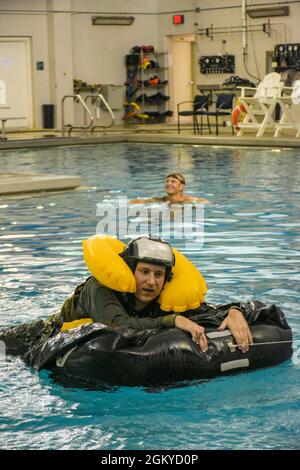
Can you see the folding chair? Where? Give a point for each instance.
(224, 105)
(288, 120)
(199, 103)
(260, 108)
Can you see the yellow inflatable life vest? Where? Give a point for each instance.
(101, 254)
(186, 290)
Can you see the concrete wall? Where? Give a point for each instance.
(71, 47)
(99, 51)
(226, 14)
(60, 48)
(34, 27)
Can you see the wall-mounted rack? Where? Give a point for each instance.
(211, 30)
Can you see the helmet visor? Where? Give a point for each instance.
(153, 251)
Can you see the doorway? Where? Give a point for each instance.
(181, 67)
(15, 73)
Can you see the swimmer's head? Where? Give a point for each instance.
(177, 176)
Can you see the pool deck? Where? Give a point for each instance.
(161, 133)
(20, 183)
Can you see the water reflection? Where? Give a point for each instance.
(251, 250)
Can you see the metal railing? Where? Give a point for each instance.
(70, 128)
(97, 99)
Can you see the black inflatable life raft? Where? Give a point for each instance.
(97, 355)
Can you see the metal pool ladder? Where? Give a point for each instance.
(98, 100)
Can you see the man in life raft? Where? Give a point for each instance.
(174, 187)
(151, 265)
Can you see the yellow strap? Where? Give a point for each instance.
(73, 324)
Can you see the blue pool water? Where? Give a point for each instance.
(251, 250)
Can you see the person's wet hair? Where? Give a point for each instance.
(177, 176)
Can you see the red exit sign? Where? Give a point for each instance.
(178, 19)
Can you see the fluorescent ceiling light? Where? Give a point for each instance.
(112, 20)
(266, 12)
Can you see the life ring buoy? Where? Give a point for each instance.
(239, 109)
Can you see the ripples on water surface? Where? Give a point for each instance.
(251, 250)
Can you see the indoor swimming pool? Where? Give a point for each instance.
(251, 250)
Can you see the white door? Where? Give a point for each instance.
(182, 74)
(15, 72)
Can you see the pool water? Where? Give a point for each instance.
(251, 250)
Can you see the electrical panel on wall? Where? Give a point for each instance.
(290, 53)
(214, 64)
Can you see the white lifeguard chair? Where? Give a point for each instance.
(287, 103)
(260, 107)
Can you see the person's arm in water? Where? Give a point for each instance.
(191, 199)
(147, 201)
(186, 199)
